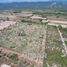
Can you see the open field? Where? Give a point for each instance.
(25, 38)
(31, 39)
(54, 56)
(64, 34)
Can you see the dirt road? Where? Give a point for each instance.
(65, 48)
(28, 59)
(58, 22)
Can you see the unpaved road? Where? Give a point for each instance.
(62, 40)
(58, 22)
(28, 59)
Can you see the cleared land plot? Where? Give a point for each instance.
(53, 52)
(6, 24)
(25, 38)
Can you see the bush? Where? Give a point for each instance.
(60, 27)
(13, 57)
(21, 34)
(57, 16)
(12, 46)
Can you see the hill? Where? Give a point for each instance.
(52, 5)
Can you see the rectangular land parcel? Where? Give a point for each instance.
(54, 56)
(25, 38)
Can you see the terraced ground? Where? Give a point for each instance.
(26, 38)
(54, 56)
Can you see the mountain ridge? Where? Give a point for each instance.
(34, 5)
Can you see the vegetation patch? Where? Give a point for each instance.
(53, 49)
(25, 38)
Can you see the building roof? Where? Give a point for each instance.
(36, 17)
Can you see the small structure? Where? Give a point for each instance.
(37, 17)
(45, 20)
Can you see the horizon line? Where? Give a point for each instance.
(32, 1)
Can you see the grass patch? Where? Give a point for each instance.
(53, 49)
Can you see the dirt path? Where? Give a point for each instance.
(62, 40)
(38, 60)
(43, 43)
(58, 22)
(28, 59)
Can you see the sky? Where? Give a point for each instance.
(21, 0)
(6, 1)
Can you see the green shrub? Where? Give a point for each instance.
(13, 57)
(21, 34)
(60, 27)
